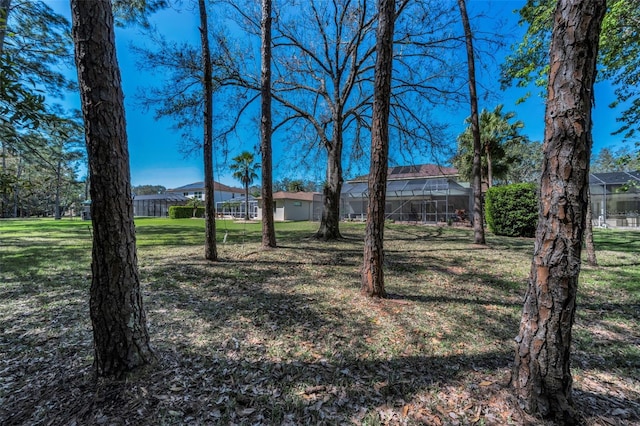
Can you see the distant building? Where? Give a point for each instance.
(421, 193)
(612, 206)
(157, 205)
(295, 206)
(195, 190)
(234, 208)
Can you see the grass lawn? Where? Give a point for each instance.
(284, 337)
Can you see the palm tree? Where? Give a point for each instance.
(295, 186)
(497, 132)
(244, 169)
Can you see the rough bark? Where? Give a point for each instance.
(268, 226)
(478, 217)
(542, 376)
(330, 221)
(372, 271)
(210, 248)
(120, 336)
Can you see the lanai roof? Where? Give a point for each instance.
(161, 197)
(198, 186)
(613, 178)
(409, 181)
(414, 171)
(409, 187)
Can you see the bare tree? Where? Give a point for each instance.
(323, 80)
(319, 83)
(120, 336)
(268, 227)
(542, 374)
(478, 217)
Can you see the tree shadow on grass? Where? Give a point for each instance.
(618, 240)
(188, 386)
(256, 340)
(241, 375)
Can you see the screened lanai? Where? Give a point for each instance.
(410, 200)
(156, 204)
(615, 198)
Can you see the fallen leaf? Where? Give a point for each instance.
(380, 385)
(405, 410)
(246, 412)
(476, 418)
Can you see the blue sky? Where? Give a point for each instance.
(154, 147)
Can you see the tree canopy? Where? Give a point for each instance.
(40, 149)
(245, 169)
(498, 134)
(618, 58)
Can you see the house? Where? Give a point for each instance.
(195, 190)
(235, 207)
(157, 205)
(420, 193)
(610, 205)
(296, 206)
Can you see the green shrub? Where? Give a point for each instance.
(185, 212)
(512, 210)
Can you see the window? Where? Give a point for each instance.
(198, 195)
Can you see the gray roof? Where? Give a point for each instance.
(413, 171)
(613, 178)
(199, 186)
(161, 197)
(409, 187)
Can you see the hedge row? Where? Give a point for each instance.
(512, 210)
(185, 212)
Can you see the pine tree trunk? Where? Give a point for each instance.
(478, 217)
(489, 166)
(210, 248)
(16, 188)
(372, 271)
(4, 208)
(330, 221)
(120, 336)
(4, 15)
(268, 226)
(56, 213)
(246, 201)
(542, 376)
